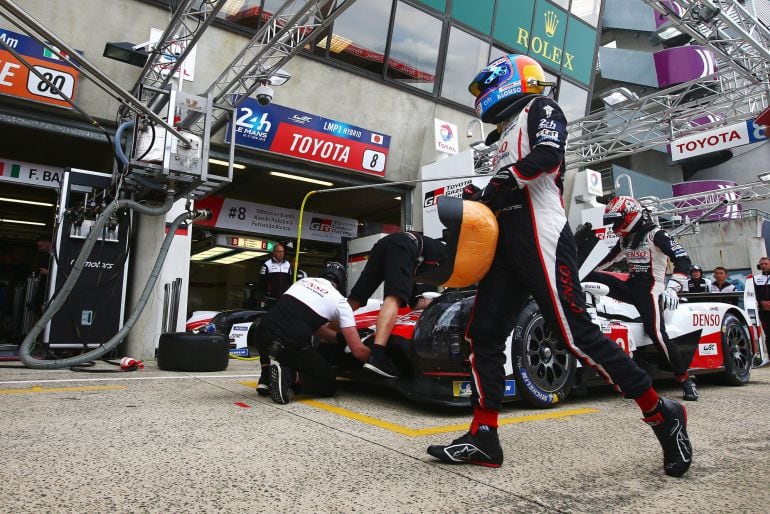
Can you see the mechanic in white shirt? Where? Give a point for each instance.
(720, 283)
(310, 306)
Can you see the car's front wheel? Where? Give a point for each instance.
(542, 365)
(736, 349)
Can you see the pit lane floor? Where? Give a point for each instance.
(156, 441)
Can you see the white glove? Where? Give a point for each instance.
(670, 299)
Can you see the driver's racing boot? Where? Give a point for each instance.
(669, 422)
(482, 448)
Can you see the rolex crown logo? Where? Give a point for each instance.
(551, 21)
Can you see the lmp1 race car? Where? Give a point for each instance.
(431, 352)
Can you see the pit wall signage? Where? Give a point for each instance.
(743, 133)
(277, 129)
(256, 218)
(18, 81)
(445, 134)
(21, 172)
(549, 35)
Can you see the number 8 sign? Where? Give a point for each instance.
(373, 160)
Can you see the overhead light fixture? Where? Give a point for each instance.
(126, 52)
(211, 252)
(225, 163)
(25, 202)
(238, 257)
(618, 96)
(398, 198)
(22, 222)
(302, 179)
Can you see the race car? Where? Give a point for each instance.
(431, 353)
(234, 323)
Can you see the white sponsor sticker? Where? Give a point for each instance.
(707, 349)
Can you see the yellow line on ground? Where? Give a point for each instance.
(411, 432)
(39, 389)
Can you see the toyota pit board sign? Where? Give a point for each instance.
(286, 131)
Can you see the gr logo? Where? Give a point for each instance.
(321, 225)
(431, 196)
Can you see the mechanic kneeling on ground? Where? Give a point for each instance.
(647, 248)
(310, 306)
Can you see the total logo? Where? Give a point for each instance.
(446, 132)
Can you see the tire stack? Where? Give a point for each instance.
(184, 351)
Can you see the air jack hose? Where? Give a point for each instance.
(77, 268)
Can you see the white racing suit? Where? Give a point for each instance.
(647, 251)
(536, 255)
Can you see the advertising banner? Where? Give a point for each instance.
(28, 173)
(285, 131)
(444, 170)
(445, 134)
(18, 81)
(258, 218)
(731, 211)
(742, 133)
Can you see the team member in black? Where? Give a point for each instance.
(275, 275)
(395, 260)
(696, 283)
(762, 290)
(286, 332)
(647, 249)
(536, 255)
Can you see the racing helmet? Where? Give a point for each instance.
(335, 273)
(471, 239)
(503, 82)
(695, 267)
(624, 213)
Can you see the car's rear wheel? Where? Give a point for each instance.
(736, 349)
(542, 365)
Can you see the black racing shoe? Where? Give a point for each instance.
(669, 422)
(482, 449)
(281, 380)
(690, 392)
(380, 363)
(263, 385)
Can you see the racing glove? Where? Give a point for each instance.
(670, 299)
(493, 194)
(471, 192)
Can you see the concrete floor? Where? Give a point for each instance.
(155, 441)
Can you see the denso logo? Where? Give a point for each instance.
(636, 254)
(706, 320)
(321, 225)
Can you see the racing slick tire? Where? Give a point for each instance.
(736, 349)
(182, 351)
(543, 367)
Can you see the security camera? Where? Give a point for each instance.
(264, 94)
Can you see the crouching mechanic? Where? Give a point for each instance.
(395, 260)
(647, 248)
(536, 255)
(310, 306)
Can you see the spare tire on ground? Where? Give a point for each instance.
(183, 351)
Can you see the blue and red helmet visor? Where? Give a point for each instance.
(492, 76)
